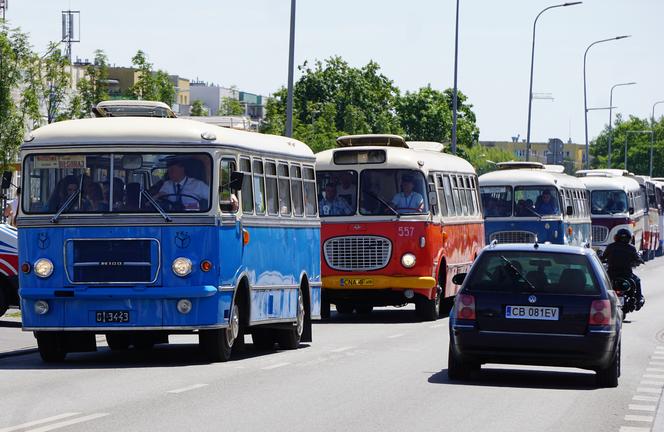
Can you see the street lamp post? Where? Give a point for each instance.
(652, 134)
(455, 99)
(611, 116)
(291, 66)
(585, 91)
(532, 65)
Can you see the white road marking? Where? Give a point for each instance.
(394, 336)
(633, 429)
(652, 383)
(38, 422)
(656, 363)
(439, 325)
(635, 407)
(274, 366)
(68, 422)
(653, 376)
(638, 418)
(657, 357)
(648, 390)
(342, 349)
(645, 398)
(650, 369)
(186, 389)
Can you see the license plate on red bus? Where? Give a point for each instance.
(356, 282)
(532, 313)
(112, 316)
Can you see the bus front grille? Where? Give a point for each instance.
(600, 233)
(357, 253)
(103, 261)
(513, 237)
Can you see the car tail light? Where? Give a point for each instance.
(600, 313)
(466, 307)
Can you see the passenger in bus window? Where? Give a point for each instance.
(95, 197)
(347, 189)
(408, 199)
(614, 204)
(184, 192)
(545, 204)
(331, 204)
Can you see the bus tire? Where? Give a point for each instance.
(51, 346)
(263, 338)
(325, 309)
(4, 301)
(290, 338)
(428, 309)
(364, 309)
(217, 344)
(118, 341)
(344, 308)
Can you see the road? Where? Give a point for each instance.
(384, 372)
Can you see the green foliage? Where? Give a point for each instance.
(56, 82)
(150, 85)
(92, 89)
(631, 131)
(483, 158)
(197, 108)
(230, 107)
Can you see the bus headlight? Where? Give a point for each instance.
(408, 260)
(41, 307)
(43, 267)
(184, 306)
(181, 266)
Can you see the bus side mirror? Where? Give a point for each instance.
(458, 278)
(6, 180)
(237, 178)
(570, 210)
(631, 210)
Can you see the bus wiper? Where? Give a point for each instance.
(156, 205)
(516, 271)
(66, 205)
(535, 213)
(385, 203)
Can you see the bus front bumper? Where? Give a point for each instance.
(367, 282)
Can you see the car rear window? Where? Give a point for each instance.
(553, 273)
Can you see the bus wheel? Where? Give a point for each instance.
(263, 338)
(428, 310)
(217, 344)
(344, 308)
(4, 301)
(117, 341)
(290, 338)
(364, 309)
(51, 348)
(325, 309)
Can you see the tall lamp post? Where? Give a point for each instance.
(455, 99)
(652, 135)
(611, 116)
(291, 66)
(585, 91)
(532, 65)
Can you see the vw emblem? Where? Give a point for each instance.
(532, 299)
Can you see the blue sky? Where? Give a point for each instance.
(246, 44)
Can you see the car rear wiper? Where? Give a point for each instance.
(516, 271)
(385, 203)
(66, 205)
(156, 205)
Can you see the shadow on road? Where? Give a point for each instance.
(165, 355)
(520, 378)
(10, 324)
(390, 315)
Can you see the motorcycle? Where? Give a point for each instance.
(625, 289)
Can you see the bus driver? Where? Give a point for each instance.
(408, 199)
(186, 193)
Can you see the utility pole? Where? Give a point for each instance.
(291, 67)
(69, 20)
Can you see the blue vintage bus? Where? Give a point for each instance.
(525, 202)
(137, 228)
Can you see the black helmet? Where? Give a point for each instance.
(623, 235)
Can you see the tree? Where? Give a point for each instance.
(230, 107)
(197, 108)
(56, 86)
(92, 89)
(150, 85)
(483, 158)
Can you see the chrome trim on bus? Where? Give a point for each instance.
(275, 287)
(156, 275)
(226, 288)
(115, 219)
(104, 329)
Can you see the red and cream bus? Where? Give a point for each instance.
(399, 220)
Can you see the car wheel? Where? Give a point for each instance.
(118, 341)
(457, 369)
(290, 339)
(217, 344)
(50, 346)
(344, 308)
(609, 377)
(428, 309)
(263, 338)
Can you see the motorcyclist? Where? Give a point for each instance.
(621, 256)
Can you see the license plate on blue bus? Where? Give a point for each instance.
(532, 313)
(112, 316)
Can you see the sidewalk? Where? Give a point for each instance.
(14, 341)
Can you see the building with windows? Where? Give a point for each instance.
(556, 152)
(213, 97)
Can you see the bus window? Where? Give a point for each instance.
(227, 199)
(608, 202)
(451, 206)
(535, 201)
(402, 190)
(259, 187)
(469, 196)
(442, 202)
(284, 191)
(310, 201)
(455, 194)
(296, 190)
(247, 189)
(271, 188)
(497, 201)
(337, 192)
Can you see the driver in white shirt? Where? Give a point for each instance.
(186, 193)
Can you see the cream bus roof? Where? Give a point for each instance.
(139, 131)
(599, 182)
(396, 157)
(371, 140)
(529, 177)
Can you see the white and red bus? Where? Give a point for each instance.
(399, 220)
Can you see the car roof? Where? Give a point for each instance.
(538, 248)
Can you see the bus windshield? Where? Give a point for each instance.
(497, 201)
(608, 202)
(538, 201)
(390, 191)
(337, 194)
(141, 183)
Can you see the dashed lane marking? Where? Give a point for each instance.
(635, 407)
(38, 422)
(342, 349)
(649, 390)
(639, 418)
(439, 325)
(394, 336)
(633, 429)
(653, 376)
(275, 366)
(651, 369)
(70, 422)
(186, 389)
(645, 398)
(652, 383)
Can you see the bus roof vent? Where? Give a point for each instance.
(371, 140)
(604, 172)
(519, 165)
(555, 168)
(426, 145)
